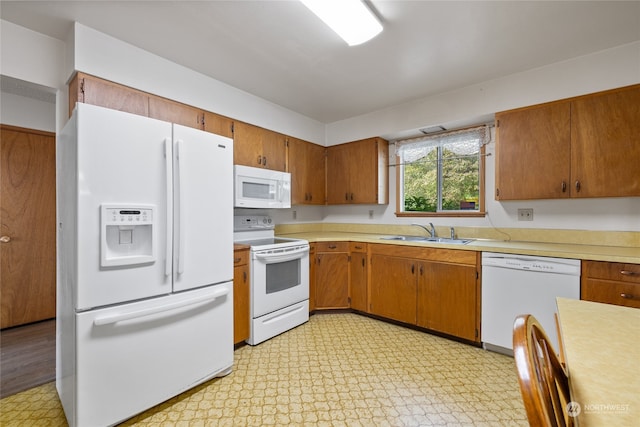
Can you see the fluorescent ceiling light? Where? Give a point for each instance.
(350, 19)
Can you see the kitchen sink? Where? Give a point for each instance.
(427, 239)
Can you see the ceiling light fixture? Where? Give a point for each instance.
(350, 19)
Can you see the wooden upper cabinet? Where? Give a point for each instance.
(175, 112)
(578, 147)
(357, 172)
(307, 168)
(258, 147)
(605, 139)
(96, 91)
(533, 152)
(218, 124)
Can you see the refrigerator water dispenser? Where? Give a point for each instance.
(126, 235)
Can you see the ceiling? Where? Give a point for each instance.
(279, 51)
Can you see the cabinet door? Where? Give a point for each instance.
(95, 91)
(605, 137)
(447, 299)
(363, 173)
(307, 168)
(332, 280)
(393, 288)
(338, 190)
(247, 145)
(220, 125)
(175, 112)
(533, 152)
(358, 279)
(240, 303)
(274, 150)
(315, 174)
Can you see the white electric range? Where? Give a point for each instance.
(279, 277)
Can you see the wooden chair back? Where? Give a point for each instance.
(543, 380)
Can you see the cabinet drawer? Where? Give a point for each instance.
(332, 246)
(611, 271)
(610, 292)
(357, 247)
(240, 257)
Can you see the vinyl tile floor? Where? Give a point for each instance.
(338, 369)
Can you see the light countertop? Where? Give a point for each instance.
(602, 352)
(559, 250)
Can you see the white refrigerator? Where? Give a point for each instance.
(145, 263)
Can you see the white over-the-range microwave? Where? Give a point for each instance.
(261, 188)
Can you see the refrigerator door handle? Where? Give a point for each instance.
(115, 318)
(169, 224)
(179, 206)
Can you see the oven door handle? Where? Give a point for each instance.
(270, 258)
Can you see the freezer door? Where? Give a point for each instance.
(120, 162)
(134, 356)
(203, 208)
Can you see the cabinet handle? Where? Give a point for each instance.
(363, 262)
(236, 260)
(629, 296)
(413, 268)
(628, 273)
(578, 186)
(346, 196)
(244, 275)
(264, 161)
(358, 247)
(310, 197)
(332, 246)
(352, 196)
(564, 187)
(421, 270)
(259, 160)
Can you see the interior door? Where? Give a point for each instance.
(28, 217)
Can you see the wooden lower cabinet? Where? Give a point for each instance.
(332, 275)
(447, 299)
(241, 289)
(437, 289)
(611, 283)
(358, 276)
(393, 288)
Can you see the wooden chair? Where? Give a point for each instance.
(543, 380)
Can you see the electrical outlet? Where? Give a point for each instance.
(371, 214)
(295, 214)
(525, 214)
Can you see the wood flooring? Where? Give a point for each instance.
(27, 356)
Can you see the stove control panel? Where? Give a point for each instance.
(252, 222)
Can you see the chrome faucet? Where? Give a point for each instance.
(432, 231)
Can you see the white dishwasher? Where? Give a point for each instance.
(520, 284)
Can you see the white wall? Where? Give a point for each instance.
(104, 56)
(26, 112)
(36, 58)
(611, 68)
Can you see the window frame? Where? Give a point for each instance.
(481, 212)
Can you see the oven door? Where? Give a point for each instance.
(279, 278)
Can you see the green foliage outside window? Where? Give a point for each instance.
(455, 185)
